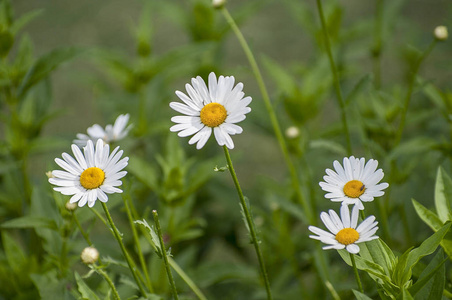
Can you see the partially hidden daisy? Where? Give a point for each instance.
(344, 230)
(354, 182)
(91, 175)
(111, 133)
(215, 108)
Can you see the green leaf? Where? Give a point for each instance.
(84, 289)
(432, 280)
(443, 194)
(405, 295)
(357, 88)
(49, 285)
(429, 217)
(360, 296)
(45, 65)
(30, 222)
(426, 248)
(328, 145)
(378, 252)
(15, 256)
(24, 20)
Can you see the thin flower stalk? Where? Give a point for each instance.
(355, 270)
(127, 203)
(378, 42)
(337, 85)
(109, 281)
(82, 231)
(272, 115)
(250, 223)
(118, 237)
(164, 255)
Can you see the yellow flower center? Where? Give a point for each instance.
(354, 188)
(92, 178)
(347, 236)
(213, 114)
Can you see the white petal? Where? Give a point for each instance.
(353, 248)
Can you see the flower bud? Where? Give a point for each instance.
(292, 132)
(218, 3)
(441, 33)
(70, 206)
(89, 255)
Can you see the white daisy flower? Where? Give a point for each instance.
(344, 230)
(90, 176)
(355, 182)
(216, 108)
(111, 133)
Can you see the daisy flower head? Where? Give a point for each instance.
(345, 231)
(216, 108)
(111, 133)
(91, 175)
(356, 181)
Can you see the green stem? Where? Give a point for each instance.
(127, 203)
(410, 91)
(163, 253)
(272, 115)
(109, 281)
(250, 222)
(355, 270)
(118, 237)
(176, 268)
(337, 86)
(99, 216)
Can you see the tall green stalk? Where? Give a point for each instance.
(250, 223)
(355, 270)
(378, 42)
(127, 203)
(273, 119)
(129, 260)
(164, 256)
(109, 281)
(337, 85)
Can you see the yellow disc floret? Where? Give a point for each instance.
(213, 114)
(92, 178)
(354, 188)
(347, 236)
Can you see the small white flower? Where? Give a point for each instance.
(344, 230)
(111, 133)
(90, 176)
(355, 182)
(441, 33)
(216, 109)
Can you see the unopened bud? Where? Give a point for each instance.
(89, 255)
(218, 3)
(70, 206)
(441, 33)
(292, 132)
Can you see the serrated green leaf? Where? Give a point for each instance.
(45, 65)
(84, 289)
(443, 194)
(30, 222)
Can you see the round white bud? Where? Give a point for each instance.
(89, 255)
(292, 132)
(441, 33)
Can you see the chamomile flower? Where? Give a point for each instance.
(355, 182)
(344, 230)
(91, 175)
(111, 133)
(215, 108)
